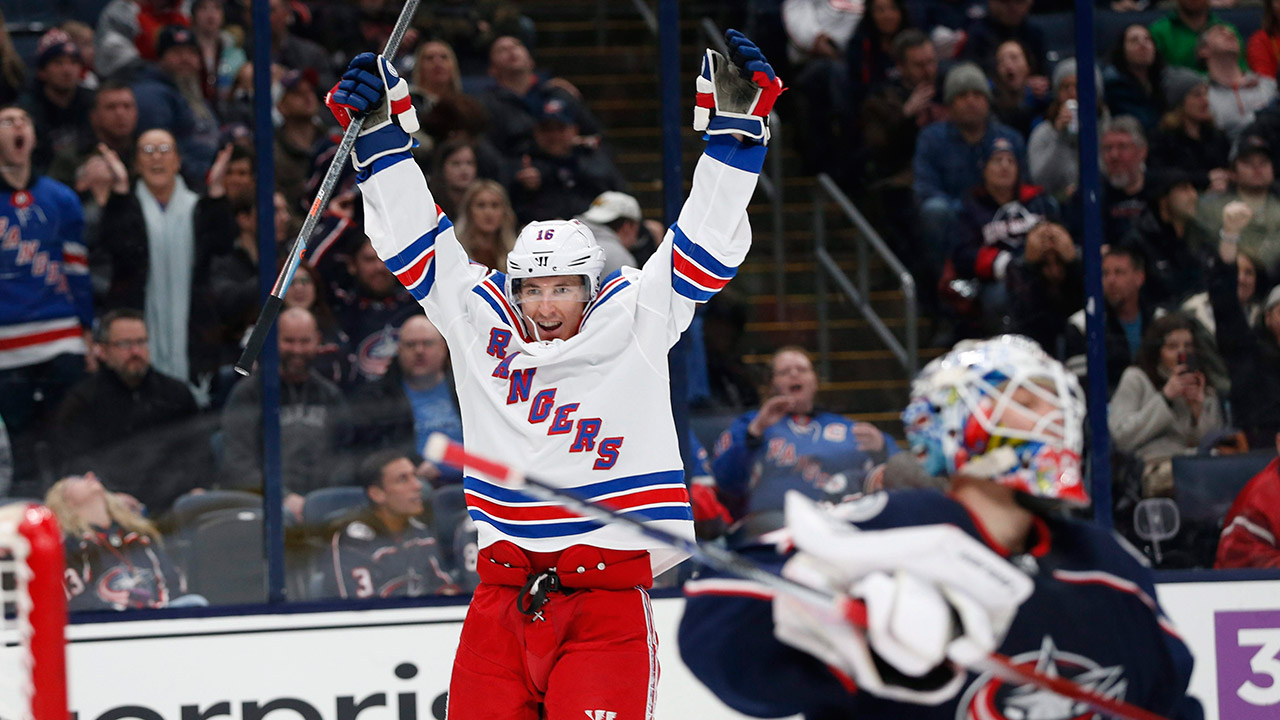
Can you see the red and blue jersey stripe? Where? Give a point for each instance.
(653, 496)
(415, 266)
(613, 285)
(696, 273)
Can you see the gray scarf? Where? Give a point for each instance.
(171, 253)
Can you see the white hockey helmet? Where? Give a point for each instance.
(969, 415)
(551, 248)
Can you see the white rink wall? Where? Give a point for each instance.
(394, 664)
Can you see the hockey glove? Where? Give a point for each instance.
(371, 87)
(736, 95)
(932, 593)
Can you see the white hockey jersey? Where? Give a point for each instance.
(592, 413)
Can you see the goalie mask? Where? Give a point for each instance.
(1003, 410)
(551, 249)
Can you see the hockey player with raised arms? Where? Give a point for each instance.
(991, 565)
(564, 373)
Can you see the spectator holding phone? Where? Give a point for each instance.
(1164, 405)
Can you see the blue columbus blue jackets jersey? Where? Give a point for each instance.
(46, 301)
(1092, 618)
(818, 455)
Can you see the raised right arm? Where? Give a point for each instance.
(409, 232)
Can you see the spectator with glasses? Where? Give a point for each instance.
(130, 422)
(170, 97)
(415, 398)
(160, 237)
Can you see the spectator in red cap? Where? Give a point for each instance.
(59, 107)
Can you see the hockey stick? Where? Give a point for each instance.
(441, 449)
(275, 301)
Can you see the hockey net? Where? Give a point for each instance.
(32, 648)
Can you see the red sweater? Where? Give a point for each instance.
(1263, 53)
(1249, 533)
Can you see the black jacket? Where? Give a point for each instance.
(569, 184)
(146, 441)
(315, 434)
(1253, 357)
(1175, 150)
(368, 560)
(124, 241)
(1175, 265)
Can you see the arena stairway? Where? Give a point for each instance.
(608, 52)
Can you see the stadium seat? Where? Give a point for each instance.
(1204, 488)
(325, 505)
(448, 508)
(227, 565)
(188, 508)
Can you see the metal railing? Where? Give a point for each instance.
(646, 14)
(770, 182)
(908, 356)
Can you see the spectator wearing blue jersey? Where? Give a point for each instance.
(788, 444)
(415, 398)
(46, 303)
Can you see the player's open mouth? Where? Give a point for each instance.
(550, 327)
(796, 388)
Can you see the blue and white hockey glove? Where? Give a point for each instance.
(371, 87)
(933, 594)
(736, 95)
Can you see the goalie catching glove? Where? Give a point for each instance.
(372, 88)
(936, 600)
(735, 95)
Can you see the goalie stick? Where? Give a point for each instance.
(441, 449)
(275, 302)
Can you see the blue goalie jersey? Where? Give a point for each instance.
(1092, 618)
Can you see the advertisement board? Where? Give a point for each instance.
(394, 664)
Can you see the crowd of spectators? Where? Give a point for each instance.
(131, 257)
(956, 126)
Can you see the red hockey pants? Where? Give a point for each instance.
(591, 649)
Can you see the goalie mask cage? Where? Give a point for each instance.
(32, 649)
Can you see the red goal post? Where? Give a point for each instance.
(33, 672)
